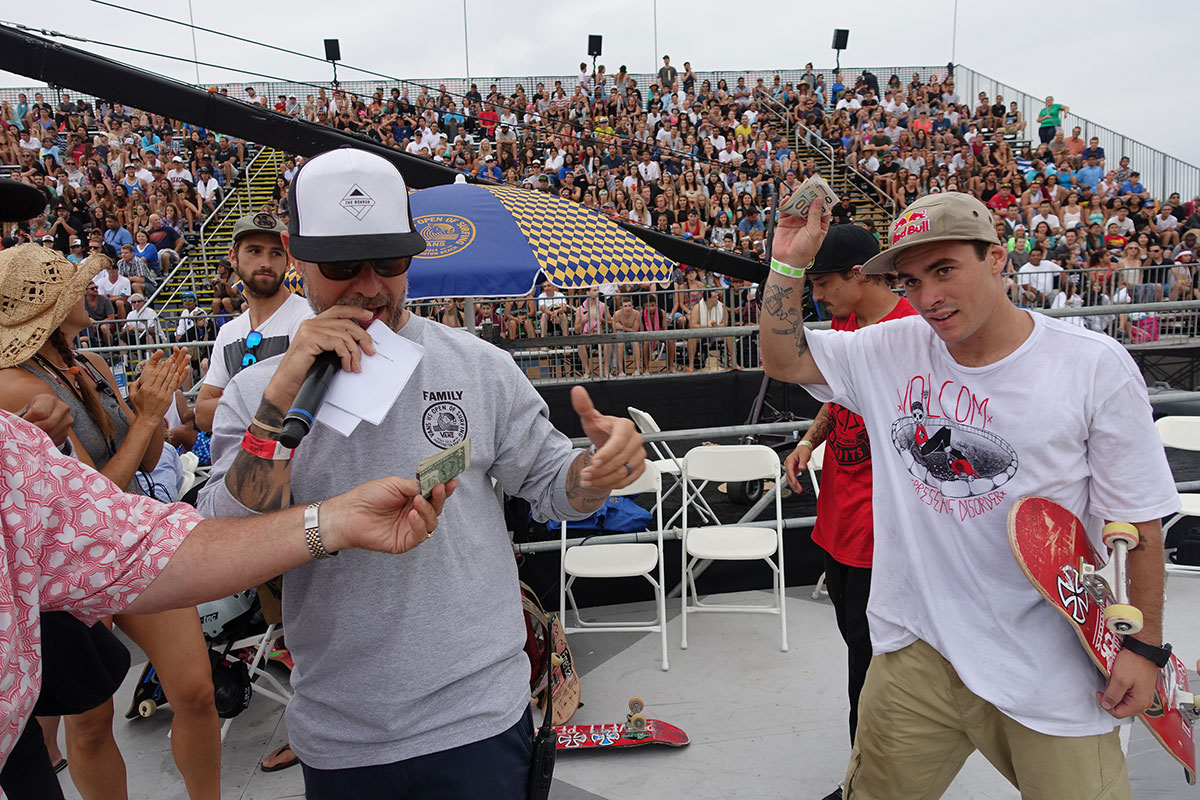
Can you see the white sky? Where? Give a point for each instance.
(1108, 60)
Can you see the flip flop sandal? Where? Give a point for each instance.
(282, 765)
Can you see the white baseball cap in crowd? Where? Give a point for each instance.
(350, 205)
(949, 216)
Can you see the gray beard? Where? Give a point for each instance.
(396, 304)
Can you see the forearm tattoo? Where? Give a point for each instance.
(821, 426)
(261, 484)
(583, 498)
(777, 304)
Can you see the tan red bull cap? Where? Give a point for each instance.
(949, 216)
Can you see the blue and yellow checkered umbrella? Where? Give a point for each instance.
(491, 241)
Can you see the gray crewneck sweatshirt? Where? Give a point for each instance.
(402, 655)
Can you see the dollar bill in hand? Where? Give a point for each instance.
(813, 190)
(443, 467)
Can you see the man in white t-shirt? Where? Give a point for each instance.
(115, 286)
(1038, 279)
(970, 407)
(258, 257)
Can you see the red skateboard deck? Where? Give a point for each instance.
(1055, 553)
(635, 731)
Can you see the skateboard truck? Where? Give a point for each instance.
(1121, 617)
(635, 721)
(1179, 698)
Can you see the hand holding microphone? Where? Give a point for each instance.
(332, 340)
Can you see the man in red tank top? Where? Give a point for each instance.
(844, 524)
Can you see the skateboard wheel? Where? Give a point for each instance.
(637, 723)
(1122, 619)
(556, 659)
(636, 705)
(1120, 532)
(146, 709)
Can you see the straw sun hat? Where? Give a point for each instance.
(38, 289)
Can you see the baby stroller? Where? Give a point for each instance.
(238, 643)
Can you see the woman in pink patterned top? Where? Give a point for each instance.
(72, 541)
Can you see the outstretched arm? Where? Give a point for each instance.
(781, 325)
(223, 556)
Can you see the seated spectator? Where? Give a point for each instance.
(452, 314)
(554, 312)
(166, 240)
(520, 315)
(1038, 279)
(1134, 187)
(193, 323)
(1183, 277)
(1166, 225)
(141, 324)
(141, 278)
(115, 286)
(1114, 240)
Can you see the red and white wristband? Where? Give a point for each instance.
(266, 448)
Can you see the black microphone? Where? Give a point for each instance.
(300, 417)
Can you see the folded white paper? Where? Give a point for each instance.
(371, 393)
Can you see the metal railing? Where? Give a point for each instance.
(263, 159)
(860, 180)
(1161, 173)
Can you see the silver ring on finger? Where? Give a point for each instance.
(628, 470)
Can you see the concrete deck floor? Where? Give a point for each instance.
(764, 724)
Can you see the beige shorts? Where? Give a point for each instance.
(918, 723)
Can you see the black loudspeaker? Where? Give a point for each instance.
(333, 50)
(841, 36)
(594, 45)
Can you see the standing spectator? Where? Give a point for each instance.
(667, 74)
(1049, 119)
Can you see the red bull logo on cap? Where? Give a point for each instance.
(909, 223)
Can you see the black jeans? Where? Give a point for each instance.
(495, 768)
(849, 588)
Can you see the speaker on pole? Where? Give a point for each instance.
(841, 37)
(333, 50)
(594, 41)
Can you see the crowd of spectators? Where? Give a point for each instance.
(682, 154)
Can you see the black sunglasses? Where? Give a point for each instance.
(347, 270)
(253, 340)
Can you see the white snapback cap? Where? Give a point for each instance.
(350, 205)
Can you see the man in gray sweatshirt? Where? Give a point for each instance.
(410, 679)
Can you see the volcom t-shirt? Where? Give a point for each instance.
(277, 330)
(1065, 416)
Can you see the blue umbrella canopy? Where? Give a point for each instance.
(492, 241)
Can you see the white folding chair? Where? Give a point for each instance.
(617, 560)
(1182, 433)
(669, 464)
(744, 462)
(815, 463)
(262, 645)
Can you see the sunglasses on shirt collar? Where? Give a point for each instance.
(347, 270)
(253, 340)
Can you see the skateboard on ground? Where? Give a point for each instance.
(637, 730)
(148, 695)
(1055, 553)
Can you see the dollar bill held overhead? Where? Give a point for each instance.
(444, 466)
(813, 190)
